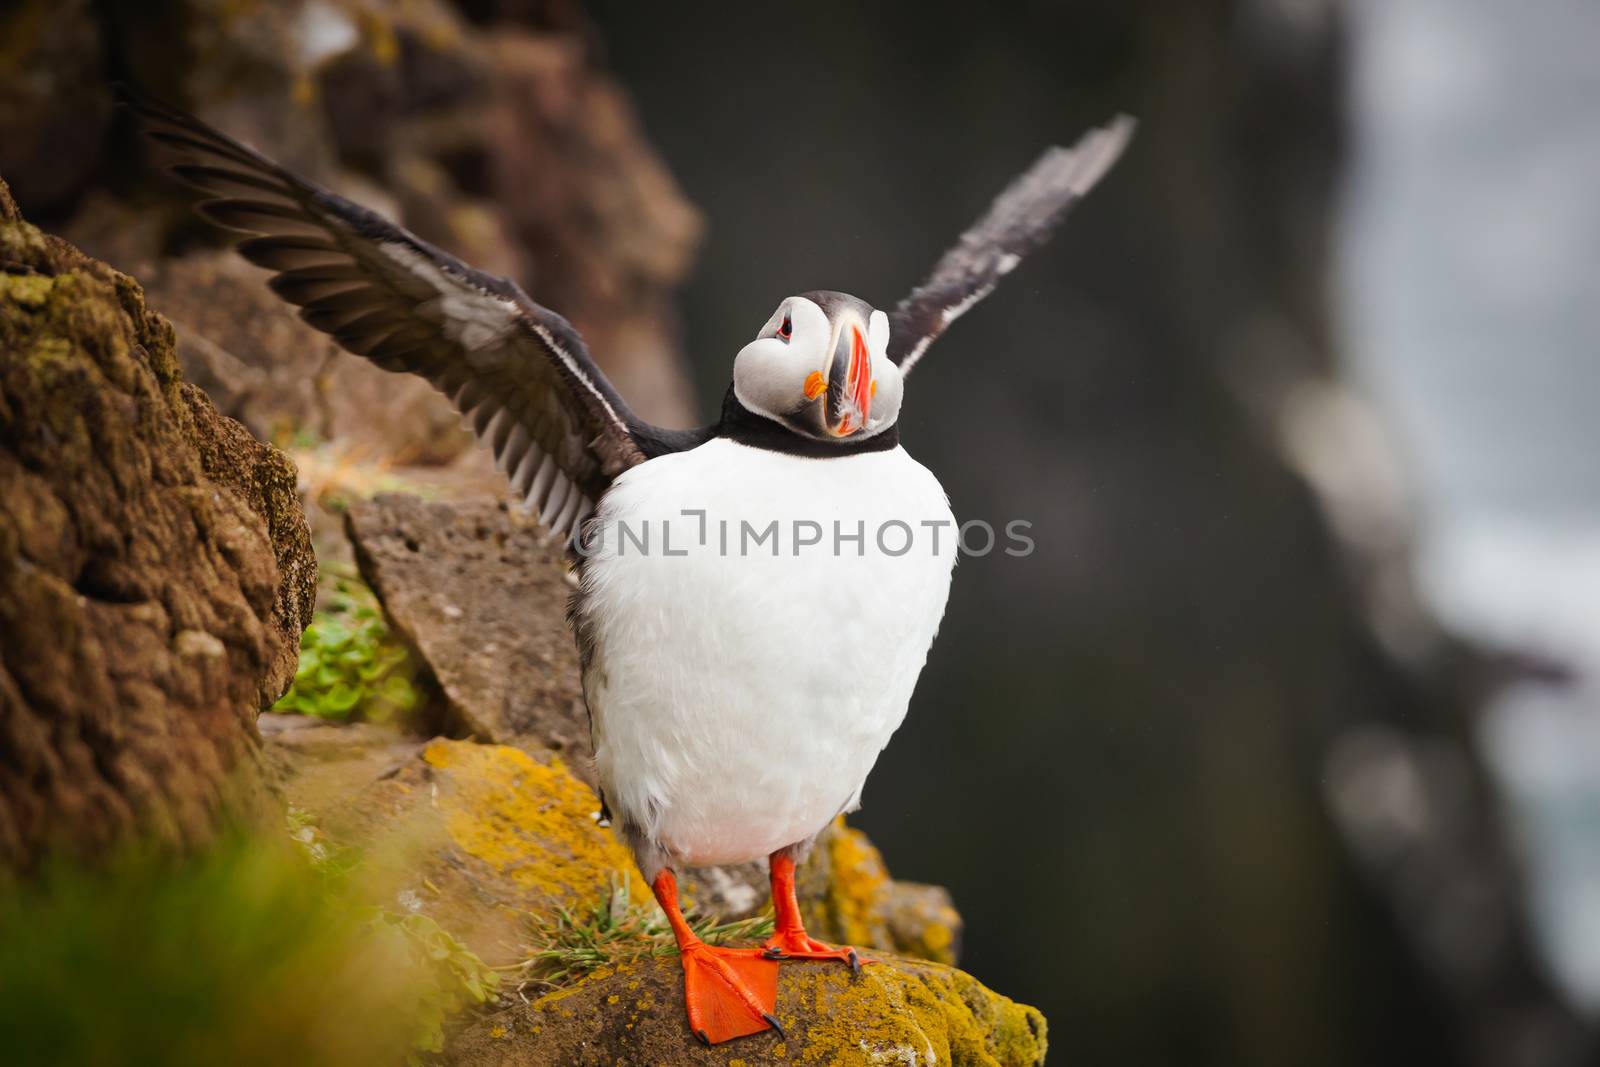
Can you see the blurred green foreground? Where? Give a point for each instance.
(252, 953)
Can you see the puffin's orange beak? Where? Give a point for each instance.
(849, 386)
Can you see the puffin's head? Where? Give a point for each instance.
(819, 367)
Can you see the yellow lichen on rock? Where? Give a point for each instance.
(876, 1018)
(26, 290)
(983, 1023)
(857, 886)
(484, 839)
(531, 823)
(905, 1011)
(848, 897)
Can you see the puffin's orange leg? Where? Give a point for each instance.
(729, 992)
(789, 939)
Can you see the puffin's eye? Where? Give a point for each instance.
(786, 329)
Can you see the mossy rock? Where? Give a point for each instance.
(481, 838)
(897, 1011)
(848, 896)
(488, 840)
(155, 569)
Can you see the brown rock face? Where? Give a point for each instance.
(481, 594)
(260, 364)
(55, 106)
(608, 233)
(513, 149)
(155, 568)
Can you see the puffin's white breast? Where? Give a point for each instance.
(743, 681)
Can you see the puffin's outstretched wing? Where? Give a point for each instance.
(517, 371)
(1019, 221)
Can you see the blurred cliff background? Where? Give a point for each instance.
(1282, 746)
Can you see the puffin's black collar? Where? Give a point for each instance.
(741, 424)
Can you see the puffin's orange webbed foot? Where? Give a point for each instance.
(798, 945)
(729, 992)
(789, 940)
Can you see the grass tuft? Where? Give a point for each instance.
(571, 945)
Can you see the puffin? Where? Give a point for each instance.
(755, 598)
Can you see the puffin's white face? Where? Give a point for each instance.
(822, 373)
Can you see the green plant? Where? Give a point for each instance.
(568, 945)
(246, 954)
(351, 667)
(445, 976)
(450, 977)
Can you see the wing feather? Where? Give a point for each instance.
(540, 485)
(518, 372)
(284, 253)
(515, 449)
(557, 497)
(1020, 220)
